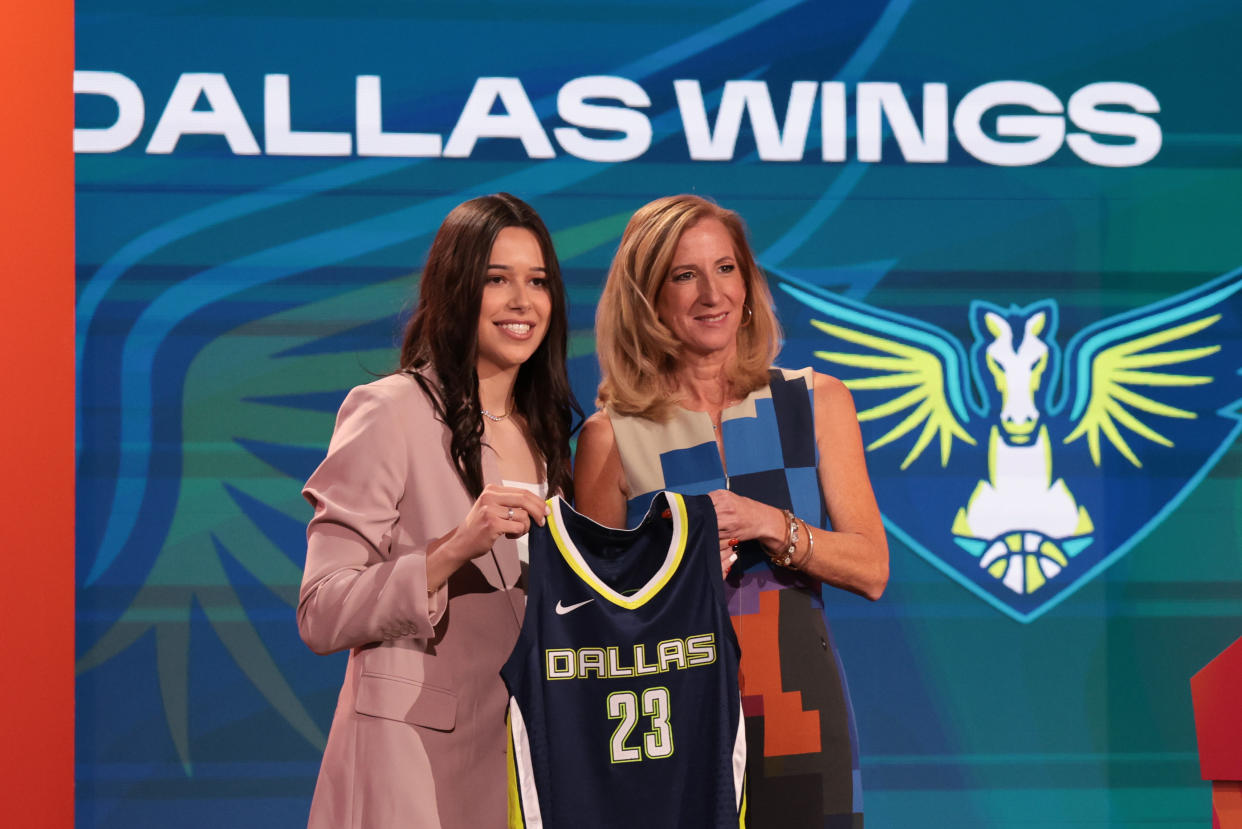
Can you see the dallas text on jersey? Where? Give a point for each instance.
(606, 663)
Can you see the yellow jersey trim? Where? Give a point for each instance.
(672, 560)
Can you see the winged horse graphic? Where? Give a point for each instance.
(1159, 382)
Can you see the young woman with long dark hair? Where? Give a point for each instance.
(414, 555)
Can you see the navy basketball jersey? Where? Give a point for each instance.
(624, 706)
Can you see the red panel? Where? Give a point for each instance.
(36, 420)
(1217, 693)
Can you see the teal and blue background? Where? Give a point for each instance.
(226, 303)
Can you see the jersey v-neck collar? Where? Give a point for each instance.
(574, 558)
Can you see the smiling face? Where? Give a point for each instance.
(515, 304)
(702, 298)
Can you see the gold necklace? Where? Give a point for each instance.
(494, 418)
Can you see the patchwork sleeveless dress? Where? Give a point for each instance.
(802, 758)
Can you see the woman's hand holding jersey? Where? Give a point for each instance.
(499, 510)
(739, 518)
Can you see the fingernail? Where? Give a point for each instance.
(733, 542)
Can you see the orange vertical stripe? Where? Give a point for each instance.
(1227, 804)
(36, 340)
(787, 729)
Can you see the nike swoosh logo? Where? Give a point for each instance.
(561, 609)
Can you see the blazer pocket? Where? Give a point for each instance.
(407, 700)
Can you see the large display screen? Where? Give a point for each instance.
(1005, 226)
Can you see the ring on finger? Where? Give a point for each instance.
(509, 517)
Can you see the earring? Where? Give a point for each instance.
(750, 315)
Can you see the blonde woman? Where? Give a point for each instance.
(686, 335)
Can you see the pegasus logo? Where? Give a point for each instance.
(1016, 371)
(1028, 522)
(1016, 510)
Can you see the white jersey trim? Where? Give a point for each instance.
(522, 768)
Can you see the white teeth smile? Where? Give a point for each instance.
(716, 318)
(516, 327)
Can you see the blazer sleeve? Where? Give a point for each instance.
(356, 589)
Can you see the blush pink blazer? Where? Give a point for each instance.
(418, 738)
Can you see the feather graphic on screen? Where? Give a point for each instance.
(1003, 465)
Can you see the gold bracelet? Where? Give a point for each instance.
(810, 549)
(784, 558)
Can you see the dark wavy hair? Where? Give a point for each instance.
(442, 335)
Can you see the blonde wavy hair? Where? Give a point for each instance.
(638, 354)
